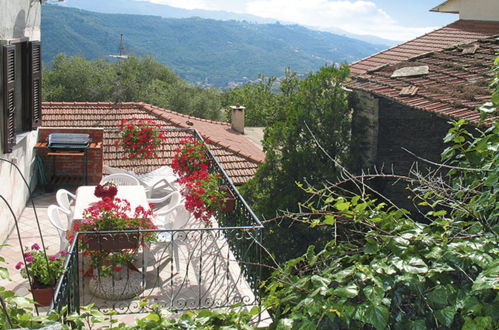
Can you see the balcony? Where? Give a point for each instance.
(196, 267)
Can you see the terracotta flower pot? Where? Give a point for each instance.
(42, 295)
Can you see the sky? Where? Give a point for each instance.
(390, 19)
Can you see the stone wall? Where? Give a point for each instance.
(400, 127)
(382, 129)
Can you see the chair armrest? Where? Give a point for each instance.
(157, 184)
(160, 199)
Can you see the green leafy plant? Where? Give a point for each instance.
(383, 269)
(44, 269)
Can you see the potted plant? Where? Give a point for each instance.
(45, 271)
(114, 215)
(190, 158)
(140, 138)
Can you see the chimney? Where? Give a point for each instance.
(237, 118)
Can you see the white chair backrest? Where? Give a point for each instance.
(175, 199)
(62, 197)
(121, 179)
(55, 219)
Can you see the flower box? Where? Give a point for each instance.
(228, 204)
(111, 242)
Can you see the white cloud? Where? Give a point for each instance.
(360, 17)
(354, 16)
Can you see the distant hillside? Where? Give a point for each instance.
(202, 51)
(142, 7)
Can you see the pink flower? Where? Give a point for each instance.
(19, 265)
(53, 258)
(35, 247)
(29, 258)
(63, 252)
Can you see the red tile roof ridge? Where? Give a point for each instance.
(151, 107)
(237, 151)
(79, 103)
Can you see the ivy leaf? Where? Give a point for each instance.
(374, 294)
(488, 279)
(329, 220)
(348, 291)
(446, 315)
(439, 295)
(415, 265)
(376, 315)
(342, 206)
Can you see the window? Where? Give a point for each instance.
(21, 87)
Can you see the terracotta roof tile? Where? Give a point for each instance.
(462, 31)
(108, 115)
(454, 87)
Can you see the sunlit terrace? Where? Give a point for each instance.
(181, 264)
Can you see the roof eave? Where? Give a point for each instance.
(441, 8)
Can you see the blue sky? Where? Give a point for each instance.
(390, 19)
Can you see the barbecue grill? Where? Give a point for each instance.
(68, 142)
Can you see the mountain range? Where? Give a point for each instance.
(142, 7)
(207, 52)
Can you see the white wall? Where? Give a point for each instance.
(481, 10)
(12, 187)
(20, 19)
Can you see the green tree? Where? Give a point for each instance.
(266, 101)
(76, 79)
(318, 105)
(382, 269)
(135, 79)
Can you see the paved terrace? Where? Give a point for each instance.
(208, 274)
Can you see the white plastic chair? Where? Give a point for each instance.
(55, 219)
(174, 199)
(64, 199)
(173, 218)
(121, 179)
(160, 179)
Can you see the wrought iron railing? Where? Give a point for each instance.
(196, 267)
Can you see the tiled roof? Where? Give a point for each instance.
(462, 31)
(237, 155)
(457, 81)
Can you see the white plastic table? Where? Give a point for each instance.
(85, 197)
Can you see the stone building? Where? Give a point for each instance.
(407, 95)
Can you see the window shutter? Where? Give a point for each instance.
(9, 98)
(34, 80)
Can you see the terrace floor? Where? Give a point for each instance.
(196, 270)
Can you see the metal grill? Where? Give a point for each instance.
(68, 141)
